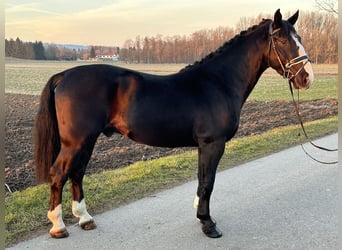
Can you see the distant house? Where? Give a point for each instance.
(108, 57)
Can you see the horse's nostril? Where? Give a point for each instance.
(308, 82)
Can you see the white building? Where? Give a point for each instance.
(108, 57)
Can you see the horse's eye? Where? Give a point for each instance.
(282, 41)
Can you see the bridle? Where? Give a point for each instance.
(287, 72)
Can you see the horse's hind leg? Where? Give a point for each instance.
(79, 209)
(59, 175)
(70, 163)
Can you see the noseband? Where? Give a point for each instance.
(287, 73)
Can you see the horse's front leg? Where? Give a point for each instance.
(209, 155)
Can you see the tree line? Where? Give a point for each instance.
(318, 32)
(38, 51)
(175, 49)
(27, 50)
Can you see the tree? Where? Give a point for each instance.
(9, 47)
(327, 5)
(146, 51)
(18, 48)
(39, 51)
(74, 55)
(92, 52)
(29, 51)
(319, 36)
(51, 52)
(138, 47)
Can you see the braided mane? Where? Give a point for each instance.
(225, 46)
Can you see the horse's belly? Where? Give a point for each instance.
(163, 136)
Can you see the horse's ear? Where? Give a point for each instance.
(292, 20)
(277, 18)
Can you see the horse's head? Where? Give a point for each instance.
(286, 53)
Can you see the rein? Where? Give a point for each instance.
(295, 104)
(287, 74)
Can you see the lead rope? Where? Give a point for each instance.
(306, 135)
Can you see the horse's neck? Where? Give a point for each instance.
(251, 64)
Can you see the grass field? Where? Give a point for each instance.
(29, 77)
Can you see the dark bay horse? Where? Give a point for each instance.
(198, 106)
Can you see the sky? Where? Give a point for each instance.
(112, 22)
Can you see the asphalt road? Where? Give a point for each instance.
(283, 201)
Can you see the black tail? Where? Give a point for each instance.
(46, 135)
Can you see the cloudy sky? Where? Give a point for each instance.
(111, 22)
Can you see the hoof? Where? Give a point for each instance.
(89, 225)
(59, 234)
(209, 229)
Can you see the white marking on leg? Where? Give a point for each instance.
(308, 66)
(196, 201)
(55, 216)
(80, 211)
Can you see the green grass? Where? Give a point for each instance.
(26, 210)
(273, 87)
(29, 77)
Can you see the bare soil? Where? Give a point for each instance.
(117, 151)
